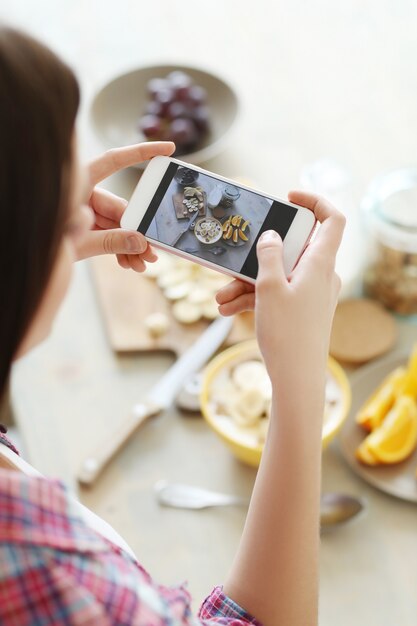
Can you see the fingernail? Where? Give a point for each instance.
(268, 234)
(134, 244)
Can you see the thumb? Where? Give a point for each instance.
(114, 241)
(269, 251)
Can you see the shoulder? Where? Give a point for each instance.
(53, 564)
(37, 511)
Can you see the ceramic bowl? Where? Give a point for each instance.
(243, 441)
(120, 103)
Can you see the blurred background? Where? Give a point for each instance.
(327, 100)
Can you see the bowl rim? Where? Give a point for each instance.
(219, 361)
(213, 219)
(199, 156)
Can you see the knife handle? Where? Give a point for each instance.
(94, 464)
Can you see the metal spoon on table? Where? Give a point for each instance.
(335, 508)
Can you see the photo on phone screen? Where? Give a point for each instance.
(212, 219)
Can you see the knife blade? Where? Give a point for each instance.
(159, 398)
(182, 232)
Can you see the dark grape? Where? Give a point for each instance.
(197, 95)
(178, 77)
(150, 125)
(202, 118)
(177, 109)
(183, 132)
(155, 85)
(154, 108)
(164, 97)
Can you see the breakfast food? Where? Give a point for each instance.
(176, 111)
(242, 396)
(157, 324)
(208, 230)
(190, 287)
(193, 199)
(395, 439)
(390, 414)
(372, 413)
(235, 229)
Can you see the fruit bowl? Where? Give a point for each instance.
(117, 107)
(244, 440)
(208, 230)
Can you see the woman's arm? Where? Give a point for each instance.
(275, 572)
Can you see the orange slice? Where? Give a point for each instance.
(396, 438)
(365, 456)
(409, 386)
(372, 413)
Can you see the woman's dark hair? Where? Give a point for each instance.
(38, 106)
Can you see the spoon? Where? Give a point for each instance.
(335, 508)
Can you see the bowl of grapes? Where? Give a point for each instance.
(193, 108)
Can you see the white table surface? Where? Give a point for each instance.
(316, 80)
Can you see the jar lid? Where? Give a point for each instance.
(232, 192)
(391, 208)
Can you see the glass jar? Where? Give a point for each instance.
(230, 195)
(390, 209)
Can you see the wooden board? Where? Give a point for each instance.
(127, 298)
(177, 200)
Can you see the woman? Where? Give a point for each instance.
(57, 564)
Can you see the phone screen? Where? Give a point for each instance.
(211, 219)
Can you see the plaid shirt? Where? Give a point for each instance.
(55, 569)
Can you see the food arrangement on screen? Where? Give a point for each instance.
(208, 230)
(177, 111)
(234, 230)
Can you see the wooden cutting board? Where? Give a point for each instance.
(127, 298)
(177, 200)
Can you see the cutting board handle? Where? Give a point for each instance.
(94, 464)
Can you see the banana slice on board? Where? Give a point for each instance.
(210, 310)
(198, 295)
(162, 265)
(173, 277)
(186, 312)
(179, 291)
(157, 324)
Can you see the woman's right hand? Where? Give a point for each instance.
(294, 315)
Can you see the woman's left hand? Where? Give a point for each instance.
(106, 236)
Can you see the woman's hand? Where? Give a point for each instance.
(293, 316)
(106, 237)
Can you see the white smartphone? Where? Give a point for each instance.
(211, 220)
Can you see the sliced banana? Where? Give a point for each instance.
(173, 277)
(198, 295)
(157, 324)
(210, 310)
(162, 265)
(253, 375)
(247, 407)
(179, 291)
(186, 312)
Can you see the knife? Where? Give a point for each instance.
(158, 399)
(184, 229)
